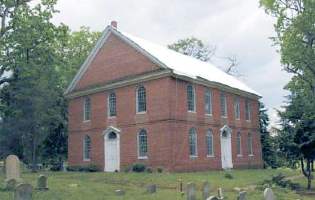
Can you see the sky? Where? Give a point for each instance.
(236, 27)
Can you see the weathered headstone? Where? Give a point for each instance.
(268, 194)
(205, 190)
(191, 191)
(120, 192)
(213, 198)
(180, 185)
(12, 168)
(23, 191)
(151, 188)
(242, 195)
(220, 193)
(10, 184)
(42, 182)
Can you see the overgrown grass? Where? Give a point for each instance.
(99, 186)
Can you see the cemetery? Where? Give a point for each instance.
(16, 182)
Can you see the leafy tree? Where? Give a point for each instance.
(295, 37)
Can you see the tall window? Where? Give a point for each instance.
(208, 102)
(86, 147)
(247, 110)
(87, 109)
(141, 99)
(238, 144)
(250, 144)
(192, 142)
(191, 98)
(237, 111)
(223, 105)
(112, 104)
(209, 142)
(142, 144)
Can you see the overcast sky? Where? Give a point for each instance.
(235, 27)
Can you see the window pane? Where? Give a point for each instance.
(193, 142)
(87, 109)
(209, 140)
(142, 143)
(223, 105)
(247, 110)
(190, 98)
(86, 147)
(141, 99)
(250, 144)
(112, 104)
(208, 102)
(238, 143)
(237, 108)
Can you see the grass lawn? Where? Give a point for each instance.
(99, 186)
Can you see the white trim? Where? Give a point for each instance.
(194, 93)
(137, 99)
(210, 132)
(138, 145)
(84, 148)
(84, 109)
(238, 133)
(105, 135)
(193, 156)
(108, 106)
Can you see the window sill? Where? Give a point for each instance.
(224, 117)
(86, 121)
(143, 158)
(210, 156)
(193, 157)
(86, 160)
(248, 121)
(239, 155)
(141, 113)
(189, 111)
(111, 117)
(208, 115)
(251, 155)
(237, 119)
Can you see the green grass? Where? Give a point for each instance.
(99, 186)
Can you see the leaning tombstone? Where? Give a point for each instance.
(12, 168)
(151, 189)
(191, 191)
(23, 191)
(268, 194)
(205, 190)
(213, 198)
(10, 184)
(42, 182)
(241, 195)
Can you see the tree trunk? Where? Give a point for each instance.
(307, 172)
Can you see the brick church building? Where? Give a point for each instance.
(133, 101)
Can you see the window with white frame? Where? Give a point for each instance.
(112, 104)
(250, 144)
(208, 102)
(238, 144)
(86, 147)
(142, 144)
(247, 110)
(237, 111)
(191, 98)
(87, 109)
(223, 105)
(141, 99)
(209, 142)
(192, 142)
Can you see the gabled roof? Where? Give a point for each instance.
(180, 64)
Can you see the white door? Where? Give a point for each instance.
(112, 155)
(226, 150)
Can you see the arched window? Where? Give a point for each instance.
(141, 99)
(209, 142)
(142, 144)
(250, 144)
(237, 111)
(86, 147)
(191, 98)
(192, 142)
(247, 110)
(112, 104)
(223, 105)
(87, 109)
(238, 144)
(208, 102)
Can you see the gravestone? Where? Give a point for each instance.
(120, 192)
(205, 190)
(12, 168)
(10, 184)
(220, 193)
(213, 198)
(151, 188)
(268, 194)
(42, 182)
(191, 191)
(242, 195)
(23, 191)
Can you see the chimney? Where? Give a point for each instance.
(113, 24)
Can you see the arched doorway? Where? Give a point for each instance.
(226, 147)
(112, 149)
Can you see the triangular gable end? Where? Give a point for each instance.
(102, 40)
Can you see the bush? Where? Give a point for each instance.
(55, 168)
(149, 170)
(83, 168)
(159, 169)
(138, 167)
(127, 169)
(228, 176)
(281, 181)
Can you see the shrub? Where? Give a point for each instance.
(159, 169)
(281, 181)
(127, 169)
(83, 168)
(138, 167)
(228, 176)
(149, 170)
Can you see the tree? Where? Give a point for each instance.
(198, 49)
(295, 37)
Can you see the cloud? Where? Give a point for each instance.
(236, 27)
